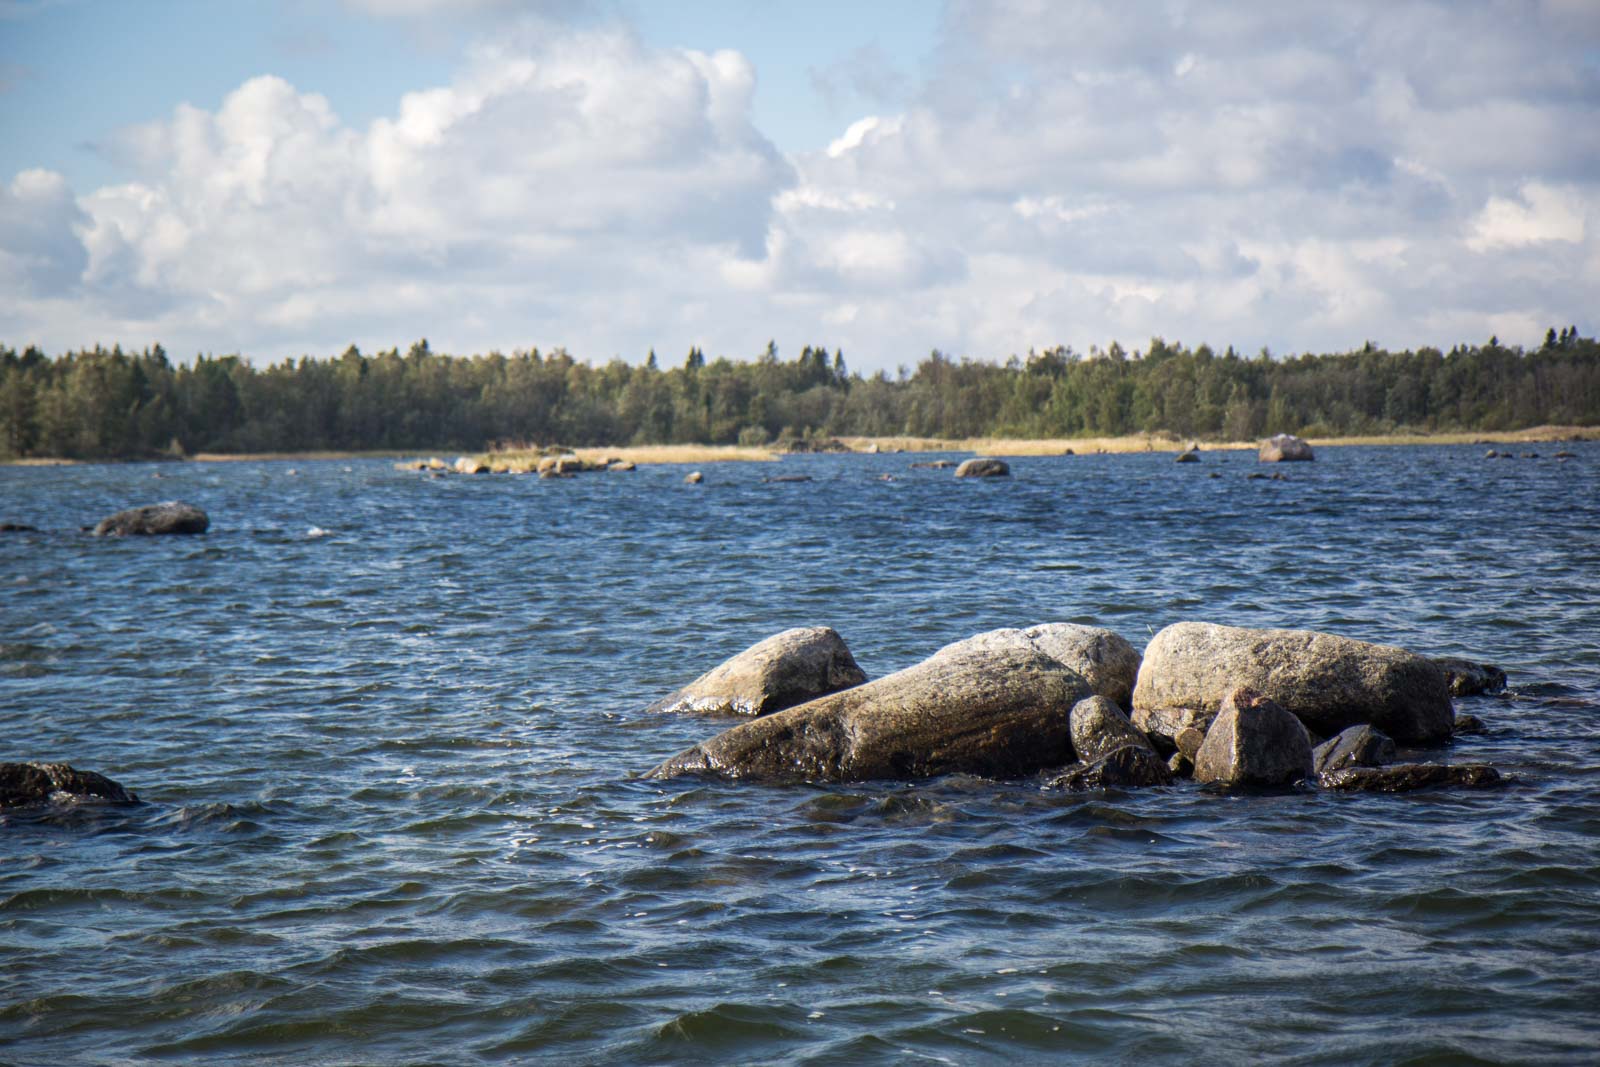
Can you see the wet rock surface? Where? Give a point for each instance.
(1327, 681)
(781, 671)
(1128, 766)
(1405, 777)
(170, 517)
(1099, 727)
(1105, 659)
(1465, 678)
(22, 784)
(1253, 742)
(999, 714)
(1358, 746)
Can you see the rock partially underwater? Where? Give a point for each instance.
(170, 517)
(787, 668)
(24, 784)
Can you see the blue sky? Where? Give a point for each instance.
(978, 176)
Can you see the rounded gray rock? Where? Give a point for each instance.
(983, 467)
(1284, 448)
(1328, 682)
(1105, 659)
(786, 669)
(999, 714)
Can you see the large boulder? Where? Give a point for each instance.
(1329, 682)
(983, 467)
(1405, 777)
(1099, 728)
(1105, 659)
(1124, 767)
(170, 517)
(786, 669)
(1000, 714)
(1358, 746)
(1253, 742)
(37, 783)
(1284, 448)
(1465, 678)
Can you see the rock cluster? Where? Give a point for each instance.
(1229, 707)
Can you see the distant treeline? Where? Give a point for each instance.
(102, 403)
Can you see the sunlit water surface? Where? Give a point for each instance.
(388, 730)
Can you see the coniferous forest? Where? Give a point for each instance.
(100, 403)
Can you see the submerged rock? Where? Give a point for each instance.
(17, 527)
(1253, 742)
(1123, 767)
(1099, 728)
(1000, 714)
(36, 783)
(1404, 777)
(1359, 746)
(1465, 678)
(1328, 682)
(786, 669)
(937, 464)
(1188, 456)
(171, 517)
(983, 467)
(1284, 448)
(1106, 660)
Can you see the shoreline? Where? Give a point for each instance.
(983, 446)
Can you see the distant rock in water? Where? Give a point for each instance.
(936, 464)
(17, 527)
(802, 446)
(693, 478)
(787, 668)
(1284, 448)
(1327, 681)
(171, 517)
(1466, 678)
(1000, 714)
(1189, 455)
(983, 467)
(1105, 659)
(1405, 777)
(789, 478)
(37, 783)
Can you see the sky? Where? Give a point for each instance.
(981, 177)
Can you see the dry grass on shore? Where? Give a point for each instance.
(524, 460)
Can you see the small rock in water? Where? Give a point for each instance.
(1466, 678)
(1127, 766)
(1284, 448)
(317, 531)
(694, 478)
(1405, 777)
(786, 669)
(171, 517)
(984, 467)
(1253, 742)
(1470, 724)
(1190, 456)
(36, 783)
(1358, 746)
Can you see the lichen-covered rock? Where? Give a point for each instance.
(1284, 448)
(36, 783)
(1328, 682)
(1357, 746)
(170, 517)
(1105, 659)
(983, 467)
(1099, 728)
(1465, 678)
(1124, 767)
(999, 714)
(786, 669)
(1253, 742)
(1404, 777)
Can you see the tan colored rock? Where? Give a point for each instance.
(468, 465)
(999, 714)
(694, 478)
(1284, 448)
(786, 669)
(1328, 682)
(984, 467)
(1105, 659)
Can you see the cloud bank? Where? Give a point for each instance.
(1066, 173)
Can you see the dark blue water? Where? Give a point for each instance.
(387, 728)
